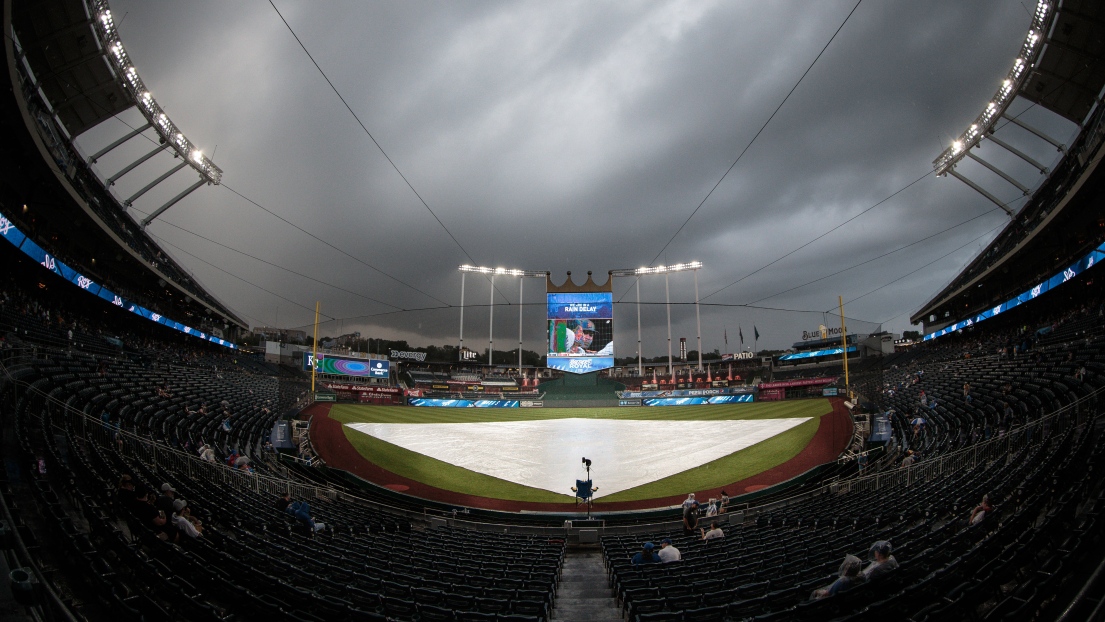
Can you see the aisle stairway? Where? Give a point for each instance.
(584, 594)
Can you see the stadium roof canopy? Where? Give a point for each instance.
(86, 79)
(1069, 76)
(1063, 217)
(61, 43)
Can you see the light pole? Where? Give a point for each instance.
(665, 270)
(492, 273)
(520, 281)
(698, 320)
(639, 372)
(667, 305)
(460, 349)
(491, 326)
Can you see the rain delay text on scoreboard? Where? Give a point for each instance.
(581, 335)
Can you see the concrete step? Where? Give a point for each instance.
(584, 594)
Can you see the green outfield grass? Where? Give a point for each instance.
(734, 467)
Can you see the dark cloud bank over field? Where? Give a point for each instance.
(571, 136)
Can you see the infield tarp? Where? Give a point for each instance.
(546, 453)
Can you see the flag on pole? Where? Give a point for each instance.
(741, 333)
(754, 329)
(726, 338)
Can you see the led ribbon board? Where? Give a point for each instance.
(581, 334)
(696, 401)
(1085, 263)
(442, 403)
(44, 259)
(814, 354)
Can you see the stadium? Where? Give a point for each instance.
(173, 449)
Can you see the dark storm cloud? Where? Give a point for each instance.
(571, 136)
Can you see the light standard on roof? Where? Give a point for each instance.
(997, 109)
(693, 266)
(492, 272)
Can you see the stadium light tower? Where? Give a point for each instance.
(693, 266)
(492, 273)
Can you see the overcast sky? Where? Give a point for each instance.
(573, 136)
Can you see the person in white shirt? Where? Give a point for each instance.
(668, 553)
(711, 510)
(180, 519)
(715, 532)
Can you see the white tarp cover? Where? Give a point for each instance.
(547, 453)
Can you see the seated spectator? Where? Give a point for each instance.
(850, 575)
(918, 425)
(284, 501)
(711, 509)
(141, 507)
(980, 511)
(164, 501)
(646, 555)
(715, 532)
(243, 464)
(882, 562)
(302, 511)
(196, 522)
(146, 514)
(908, 460)
(206, 453)
(724, 503)
(182, 520)
(668, 553)
(689, 502)
(125, 494)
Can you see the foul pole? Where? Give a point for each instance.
(314, 347)
(844, 345)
